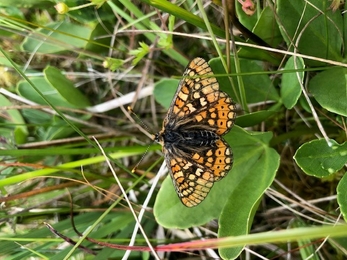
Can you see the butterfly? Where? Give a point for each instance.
(191, 136)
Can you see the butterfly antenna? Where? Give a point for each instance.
(146, 127)
(135, 167)
(138, 119)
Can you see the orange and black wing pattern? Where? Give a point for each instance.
(195, 152)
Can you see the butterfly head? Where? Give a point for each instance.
(158, 137)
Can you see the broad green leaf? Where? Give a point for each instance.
(260, 27)
(342, 195)
(251, 168)
(5, 62)
(255, 168)
(20, 134)
(97, 42)
(267, 29)
(36, 117)
(258, 86)
(329, 88)
(303, 103)
(87, 14)
(65, 87)
(254, 118)
(25, 90)
(245, 19)
(170, 212)
(259, 55)
(319, 159)
(57, 129)
(164, 91)
(14, 120)
(312, 27)
(57, 37)
(290, 87)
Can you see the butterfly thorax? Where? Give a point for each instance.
(186, 139)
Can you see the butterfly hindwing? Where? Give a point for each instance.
(191, 181)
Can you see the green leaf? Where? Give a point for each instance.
(342, 195)
(164, 91)
(258, 86)
(98, 3)
(260, 27)
(57, 37)
(112, 63)
(248, 21)
(57, 129)
(247, 147)
(87, 14)
(24, 89)
(139, 53)
(65, 87)
(254, 118)
(303, 103)
(312, 27)
(171, 25)
(102, 44)
(14, 120)
(319, 159)
(251, 156)
(20, 134)
(165, 39)
(267, 20)
(329, 88)
(255, 168)
(36, 117)
(291, 88)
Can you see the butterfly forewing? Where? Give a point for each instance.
(194, 149)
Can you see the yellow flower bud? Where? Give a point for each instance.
(61, 8)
